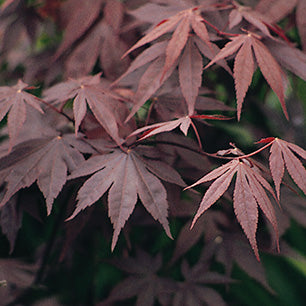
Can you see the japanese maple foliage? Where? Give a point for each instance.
(119, 103)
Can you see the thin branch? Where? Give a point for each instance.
(57, 110)
(170, 143)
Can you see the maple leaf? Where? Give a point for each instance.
(290, 58)
(88, 91)
(128, 176)
(143, 281)
(183, 21)
(281, 154)
(294, 206)
(208, 225)
(244, 67)
(190, 61)
(276, 10)
(232, 247)
(10, 221)
(184, 124)
(104, 42)
(13, 101)
(45, 160)
(253, 17)
(249, 193)
(190, 71)
(81, 14)
(193, 291)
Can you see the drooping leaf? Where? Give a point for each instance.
(46, 160)
(190, 74)
(149, 83)
(208, 225)
(232, 247)
(243, 72)
(142, 282)
(243, 69)
(290, 58)
(157, 128)
(102, 40)
(127, 176)
(10, 221)
(183, 123)
(13, 101)
(281, 155)
(185, 20)
(81, 15)
(248, 194)
(194, 290)
(88, 91)
(180, 49)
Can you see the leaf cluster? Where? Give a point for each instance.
(124, 112)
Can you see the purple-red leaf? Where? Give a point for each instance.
(127, 176)
(248, 194)
(190, 74)
(281, 154)
(243, 72)
(45, 160)
(88, 91)
(13, 101)
(245, 207)
(244, 67)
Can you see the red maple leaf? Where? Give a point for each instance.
(249, 45)
(88, 91)
(127, 176)
(182, 49)
(281, 155)
(276, 10)
(45, 160)
(13, 101)
(249, 193)
(184, 124)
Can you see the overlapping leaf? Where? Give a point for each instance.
(275, 10)
(281, 155)
(249, 193)
(232, 248)
(194, 290)
(253, 17)
(190, 71)
(181, 49)
(13, 101)
(101, 41)
(244, 67)
(45, 160)
(81, 16)
(88, 91)
(143, 282)
(128, 176)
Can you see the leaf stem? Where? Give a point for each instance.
(197, 134)
(57, 110)
(221, 33)
(257, 151)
